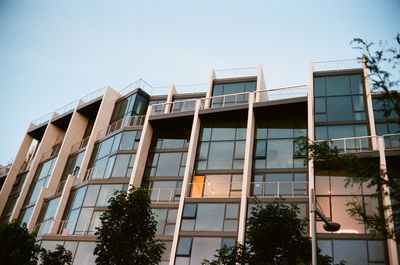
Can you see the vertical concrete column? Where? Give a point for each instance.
(62, 204)
(260, 84)
(14, 170)
(248, 160)
(51, 134)
(311, 184)
(388, 213)
(211, 77)
(190, 162)
(170, 99)
(143, 151)
(370, 109)
(102, 120)
(74, 134)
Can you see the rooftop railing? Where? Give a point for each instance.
(191, 88)
(225, 100)
(140, 83)
(337, 65)
(236, 72)
(41, 120)
(282, 93)
(279, 188)
(93, 95)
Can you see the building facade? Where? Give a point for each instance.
(205, 152)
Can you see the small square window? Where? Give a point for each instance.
(190, 210)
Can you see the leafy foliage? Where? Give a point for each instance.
(60, 256)
(17, 245)
(127, 231)
(381, 62)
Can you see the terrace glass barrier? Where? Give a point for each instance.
(191, 88)
(279, 188)
(282, 93)
(215, 189)
(140, 83)
(225, 100)
(164, 195)
(79, 227)
(337, 65)
(392, 140)
(176, 106)
(127, 121)
(236, 72)
(352, 144)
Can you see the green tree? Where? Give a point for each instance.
(60, 256)
(127, 231)
(384, 72)
(17, 245)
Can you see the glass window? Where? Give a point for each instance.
(184, 246)
(319, 87)
(221, 154)
(91, 195)
(121, 166)
(219, 134)
(168, 164)
(105, 147)
(84, 253)
(106, 192)
(320, 105)
(204, 248)
(356, 84)
(352, 251)
(337, 85)
(280, 154)
(190, 210)
(339, 108)
(210, 217)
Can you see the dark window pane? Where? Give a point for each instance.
(120, 166)
(128, 140)
(339, 108)
(218, 90)
(223, 134)
(280, 133)
(358, 103)
(168, 164)
(320, 105)
(220, 156)
(189, 210)
(356, 84)
(337, 85)
(319, 86)
(279, 154)
(210, 217)
(184, 246)
(261, 148)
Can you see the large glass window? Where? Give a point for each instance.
(279, 184)
(277, 148)
(344, 131)
(166, 219)
(221, 147)
(210, 217)
(339, 98)
(132, 105)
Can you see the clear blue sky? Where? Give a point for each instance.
(53, 52)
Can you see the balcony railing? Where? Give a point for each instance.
(79, 145)
(176, 106)
(225, 100)
(236, 72)
(215, 189)
(351, 144)
(80, 227)
(392, 140)
(93, 95)
(96, 173)
(127, 121)
(43, 228)
(282, 93)
(191, 88)
(164, 195)
(279, 188)
(140, 83)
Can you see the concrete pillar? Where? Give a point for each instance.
(388, 213)
(14, 170)
(247, 172)
(260, 84)
(102, 121)
(142, 152)
(51, 134)
(211, 77)
(170, 99)
(190, 163)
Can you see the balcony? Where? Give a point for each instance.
(174, 107)
(347, 145)
(79, 227)
(127, 121)
(279, 189)
(214, 189)
(164, 195)
(225, 100)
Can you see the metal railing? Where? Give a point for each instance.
(41, 120)
(78, 227)
(337, 65)
(225, 100)
(214, 189)
(176, 106)
(164, 195)
(66, 108)
(96, 173)
(279, 188)
(140, 83)
(127, 121)
(351, 144)
(191, 88)
(93, 95)
(282, 93)
(43, 228)
(79, 145)
(392, 140)
(236, 72)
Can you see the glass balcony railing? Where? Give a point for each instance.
(174, 107)
(215, 189)
(352, 144)
(78, 227)
(282, 93)
(236, 72)
(225, 100)
(127, 121)
(334, 65)
(392, 140)
(279, 188)
(164, 195)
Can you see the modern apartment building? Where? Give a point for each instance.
(205, 151)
